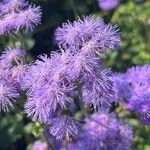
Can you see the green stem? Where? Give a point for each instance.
(80, 97)
(22, 40)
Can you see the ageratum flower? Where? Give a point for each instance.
(8, 96)
(48, 85)
(65, 128)
(39, 145)
(104, 131)
(97, 88)
(9, 6)
(18, 14)
(141, 105)
(12, 56)
(90, 34)
(29, 18)
(43, 101)
(123, 90)
(135, 82)
(18, 73)
(108, 5)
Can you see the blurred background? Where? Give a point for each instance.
(132, 17)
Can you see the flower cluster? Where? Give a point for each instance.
(17, 15)
(108, 5)
(104, 131)
(12, 71)
(133, 87)
(74, 73)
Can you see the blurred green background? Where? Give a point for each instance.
(133, 19)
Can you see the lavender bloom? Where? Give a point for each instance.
(123, 90)
(18, 14)
(39, 145)
(90, 35)
(29, 18)
(108, 5)
(104, 131)
(43, 102)
(65, 128)
(18, 73)
(140, 105)
(97, 88)
(12, 56)
(135, 82)
(8, 96)
(48, 85)
(10, 6)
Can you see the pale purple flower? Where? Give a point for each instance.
(39, 145)
(8, 96)
(12, 56)
(44, 101)
(123, 90)
(134, 87)
(90, 35)
(97, 87)
(104, 131)
(65, 128)
(48, 86)
(28, 18)
(108, 5)
(18, 74)
(18, 14)
(140, 104)
(9, 6)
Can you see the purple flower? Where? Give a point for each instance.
(123, 90)
(134, 87)
(108, 5)
(29, 18)
(140, 104)
(18, 74)
(12, 56)
(104, 131)
(49, 86)
(44, 101)
(9, 6)
(18, 14)
(65, 128)
(90, 35)
(8, 96)
(39, 145)
(97, 88)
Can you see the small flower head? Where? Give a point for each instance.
(29, 18)
(18, 14)
(12, 56)
(90, 34)
(108, 5)
(65, 128)
(39, 145)
(8, 96)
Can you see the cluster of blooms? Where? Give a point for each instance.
(53, 84)
(12, 71)
(104, 131)
(108, 5)
(70, 79)
(133, 88)
(18, 14)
